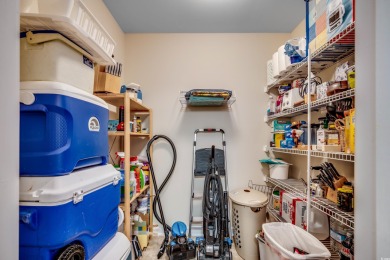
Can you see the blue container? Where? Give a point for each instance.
(56, 212)
(62, 128)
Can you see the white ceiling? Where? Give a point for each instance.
(207, 16)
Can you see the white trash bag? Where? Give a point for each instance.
(283, 238)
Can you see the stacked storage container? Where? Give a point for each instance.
(69, 195)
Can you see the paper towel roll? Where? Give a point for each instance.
(275, 66)
(281, 59)
(287, 60)
(270, 75)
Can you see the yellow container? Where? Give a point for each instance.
(352, 130)
(277, 138)
(351, 79)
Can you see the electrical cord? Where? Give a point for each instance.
(304, 89)
(109, 153)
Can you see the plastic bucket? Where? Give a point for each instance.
(279, 171)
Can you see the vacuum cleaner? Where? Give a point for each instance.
(216, 242)
(180, 247)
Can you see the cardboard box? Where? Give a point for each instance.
(327, 18)
(339, 15)
(313, 98)
(280, 125)
(288, 207)
(105, 82)
(300, 212)
(143, 222)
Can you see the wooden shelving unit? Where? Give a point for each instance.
(130, 106)
(138, 194)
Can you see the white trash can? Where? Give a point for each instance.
(248, 215)
(281, 240)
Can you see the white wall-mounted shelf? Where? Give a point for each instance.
(338, 48)
(346, 157)
(206, 103)
(299, 110)
(298, 188)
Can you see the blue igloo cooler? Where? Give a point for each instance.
(62, 128)
(61, 211)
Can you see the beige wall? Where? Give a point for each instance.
(164, 64)
(300, 30)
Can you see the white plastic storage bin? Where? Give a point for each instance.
(282, 238)
(62, 128)
(279, 171)
(249, 213)
(119, 248)
(261, 247)
(56, 212)
(55, 61)
(72, 19)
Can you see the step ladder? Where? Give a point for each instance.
(200, 165)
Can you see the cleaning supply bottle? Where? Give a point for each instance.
(271, 105)
(321, 133)
(139, 95)
(139, 124)
(135, 126)
(121, 119)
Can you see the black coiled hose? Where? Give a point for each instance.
(160, 214)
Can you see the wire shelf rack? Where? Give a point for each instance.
(315, 105)
(338, 48)
(276, 216)
(346, 157)
(211, 102)
(298, 188)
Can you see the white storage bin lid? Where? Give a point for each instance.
(28, 88)
(248, 197)
(61, 189)
(72, 19)
(118, 248)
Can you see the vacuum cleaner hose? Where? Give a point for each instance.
(157, 202)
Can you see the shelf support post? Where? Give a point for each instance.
(127, 221)
(308, 139)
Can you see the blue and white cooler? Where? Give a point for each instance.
(62, 128)
(78, 210)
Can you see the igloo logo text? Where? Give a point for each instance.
(93, 124)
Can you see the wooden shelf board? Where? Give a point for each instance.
(138, 194)
(118, 100)
(122, 133)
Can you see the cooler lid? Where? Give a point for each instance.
(51, 87)
(248, 197)
(61, 189)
